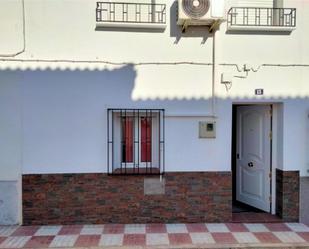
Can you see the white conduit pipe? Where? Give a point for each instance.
(213, 90)
(24, 34)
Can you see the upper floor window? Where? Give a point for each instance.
(135, 141)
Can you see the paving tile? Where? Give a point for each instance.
(217, 228)
(92, 230)
(70, 229)
(87, 240)
(48, 231)
(176, 228)
(245, 237)
(156, 239)
(196, 228)
(155, 228)
(266, 237)
(304, 235)
(289, 237)
(224, 238)
(39, 241)
(15, 242)
(64, 240)
(134, 240)
(297, 227)
(111, 240)
(113, 229)
(179, 239)
(6, 231)
(256, 228)
(2, 239)
(201, 238)
(277, 227)
(151, 234)
(236, 227)
(135, 229)
(25, 231)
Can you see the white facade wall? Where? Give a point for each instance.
(61, 116)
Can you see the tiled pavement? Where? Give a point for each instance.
(152, 235)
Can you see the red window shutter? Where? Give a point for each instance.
(127, 139)
(146, 139)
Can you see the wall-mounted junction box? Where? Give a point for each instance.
(207, 129)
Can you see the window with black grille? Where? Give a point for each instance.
(135, 141)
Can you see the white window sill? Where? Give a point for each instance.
(261, 28)
(153, 26)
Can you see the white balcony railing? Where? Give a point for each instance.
(252, 18)
(121, 14)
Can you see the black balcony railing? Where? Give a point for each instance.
(265, 17)
(135, 141)
(117, 12)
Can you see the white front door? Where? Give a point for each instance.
(253, 156)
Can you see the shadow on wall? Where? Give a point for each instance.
(69, 108)
(80, 88)
(107, 88)
(64, 114)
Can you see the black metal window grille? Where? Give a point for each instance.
(135, 141)
(130, 12)
(269, 17)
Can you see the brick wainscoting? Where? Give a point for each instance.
(99, 198)
(287, 195)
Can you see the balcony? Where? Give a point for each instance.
(261, 19)
(131, 15)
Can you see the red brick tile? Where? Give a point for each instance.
(113, 229)
(236, 227)
(134, 240)
(267, 238)
(277, 227)
(304, 235)
(155, 228)
(226, 238)
(196, 228)
(70, 229)
(87, 240)
(98, 187)
(39, 241)
(25, 231)
(179, 238)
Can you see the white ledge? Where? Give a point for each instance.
(129, 25)
(261, 28)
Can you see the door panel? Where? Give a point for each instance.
(253, 160)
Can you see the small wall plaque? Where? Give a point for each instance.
(259, 91)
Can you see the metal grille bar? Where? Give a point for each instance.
(121, 12)
(257, 17)
(119, 162)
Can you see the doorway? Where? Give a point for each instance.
(252, 158)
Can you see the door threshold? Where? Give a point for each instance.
(255, 217)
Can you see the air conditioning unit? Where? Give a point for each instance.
(200, 12)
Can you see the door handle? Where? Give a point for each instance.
(250, 164)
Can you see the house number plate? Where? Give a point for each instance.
(259, 91)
